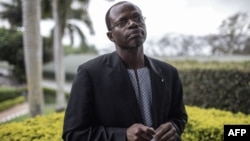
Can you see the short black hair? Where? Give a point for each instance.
(108, 24)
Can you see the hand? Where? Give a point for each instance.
(166, 132)
(139, 132)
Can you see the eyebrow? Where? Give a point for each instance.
(126, 17)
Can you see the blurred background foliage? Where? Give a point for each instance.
(233, 38)
(202, 80)
(11, 42)
(223, 85)
(13, 14)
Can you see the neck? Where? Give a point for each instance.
(133, 58)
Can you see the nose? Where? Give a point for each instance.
(132, 22)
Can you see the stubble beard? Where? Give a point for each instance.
(137, 43)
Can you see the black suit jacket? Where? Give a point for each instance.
(103, 103)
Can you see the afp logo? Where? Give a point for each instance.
(237, 132)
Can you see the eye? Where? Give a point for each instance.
(139, 19)
(122, 23)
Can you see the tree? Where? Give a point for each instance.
(11, 50)
(61, 12)
(33, 55)
(12, 12)
(178, 44)
(59, 17)
(234, 35)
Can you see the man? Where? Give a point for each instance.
(125, 95)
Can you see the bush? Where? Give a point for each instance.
(50, 95)
(41, 128)
(222, 89)
(221, 85)
(7, 93)
(208, 124)
(11, 102)
(203, 125)
(11, 50)
(11, 96)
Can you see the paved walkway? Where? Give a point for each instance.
(23, 108)
(14, 112)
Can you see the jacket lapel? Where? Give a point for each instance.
(118, 72)
(119, 75)
(158, 91)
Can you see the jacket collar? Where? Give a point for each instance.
(117, 72)
(114, 61)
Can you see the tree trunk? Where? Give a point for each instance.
(58, 57)
(33, 55)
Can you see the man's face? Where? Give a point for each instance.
(127, 26)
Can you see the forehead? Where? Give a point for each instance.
(124, 10)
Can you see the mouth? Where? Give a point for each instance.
(135, 33)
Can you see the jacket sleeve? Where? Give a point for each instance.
(79, 120)
(178, 115)
(98, 133)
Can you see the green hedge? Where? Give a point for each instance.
(7, 92)
(222, 85)
(50, 95)
(203, 125)
(190, 65)
(11, 102)
(11, 96)
(222, 89)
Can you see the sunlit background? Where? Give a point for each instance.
(175, 20)
(163, 17)
(189, 17)
(208, 41)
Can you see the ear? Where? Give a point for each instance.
(110, 36)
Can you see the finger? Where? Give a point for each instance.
(146, 137)
(135, 132)
(163, 129)
(169, 135)
(148, 133)
(165, 132)
(147, 130)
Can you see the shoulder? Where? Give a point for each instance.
(96, 62)
(164, 69)
(161, 64)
